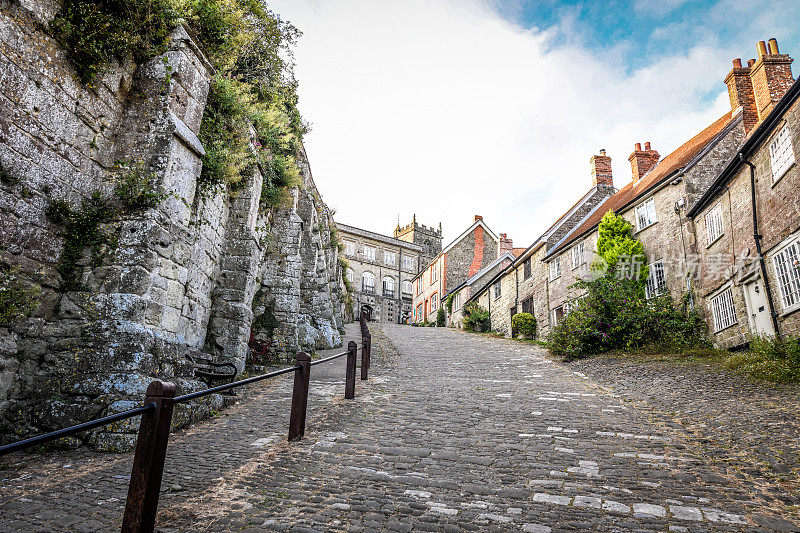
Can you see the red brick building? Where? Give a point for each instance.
(469, 253)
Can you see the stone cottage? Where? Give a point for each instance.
(748, 220)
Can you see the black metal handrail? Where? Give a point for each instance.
(330, 358)
(156, 420)
(72, 430)
(229, 386)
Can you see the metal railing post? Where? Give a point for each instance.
(297, 419)
(350, 381)
(369, 350)
(364, 358)
(148, 462)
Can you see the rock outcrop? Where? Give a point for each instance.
(195, 273)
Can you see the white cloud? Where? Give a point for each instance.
(442, 109)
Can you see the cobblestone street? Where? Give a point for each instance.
(453, 431)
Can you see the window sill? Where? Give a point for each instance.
(789, 310)
(709, 245)
(777, 180)
(727, 327)
(648, 226)
(579, 266)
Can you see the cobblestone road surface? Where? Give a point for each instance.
(452, 432)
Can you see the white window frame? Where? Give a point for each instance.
(387, 280)
(364, 277)
(369, 253)
(555, 268)
(646, 214)
(349, 248)
(723, 309)
(781, 153)
(714, 224)
(405, 284)
(554, 315)
(656, 283)
(457, 301)
(498, 289)
(408, 263)
(786, 263)
(578, 255)
(389, 258)
(434, 302)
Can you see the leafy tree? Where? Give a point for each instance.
(619, 253)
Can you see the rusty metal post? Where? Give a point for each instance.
(364, 358)
(350, 380)
(369, 350)
(297, 419)
(148, 462)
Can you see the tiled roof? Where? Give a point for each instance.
(519, 251)
(655, 177)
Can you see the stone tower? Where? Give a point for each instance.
(429, 238)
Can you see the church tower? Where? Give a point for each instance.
(429, 238)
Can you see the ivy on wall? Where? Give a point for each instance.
(254, 85)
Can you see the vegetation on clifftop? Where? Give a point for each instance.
(254, 85)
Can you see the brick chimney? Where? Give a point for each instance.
(477, 218)
(505, 245)
(740, 92)
(642, 160)
(771, 76)
(601, 170)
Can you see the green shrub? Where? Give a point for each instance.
(18, 298)
(615, 242)
(440, 318)
(476, 318)
(615, 315)
(523, 324)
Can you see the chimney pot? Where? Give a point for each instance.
(751, 62)
(773, 46)
(770, 76)
(737, 63)
(642, 161)
(601, 170)
(602, 151)
(477, 218)
(761, 48)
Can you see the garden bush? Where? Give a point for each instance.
(440, 318)
(615, 315)
(524, 324)
(476, 318)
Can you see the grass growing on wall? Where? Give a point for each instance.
(83, 225)
(254, 85)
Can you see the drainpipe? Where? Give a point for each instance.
(757, 237)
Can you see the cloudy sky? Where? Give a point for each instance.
(450, 108)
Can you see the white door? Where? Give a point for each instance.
(758, 309)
